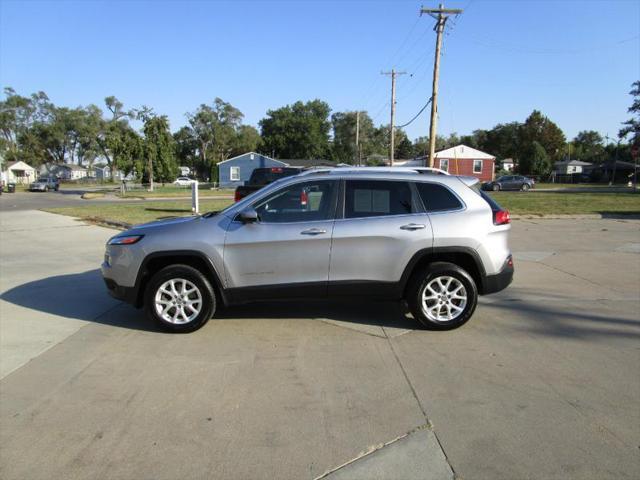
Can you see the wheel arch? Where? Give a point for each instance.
(465, 257)
(155, 261)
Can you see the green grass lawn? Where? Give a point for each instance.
(174, 191)
(134, 213)
(546, 186)
(549, 203)
(518, 203)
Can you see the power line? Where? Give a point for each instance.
(416, 115)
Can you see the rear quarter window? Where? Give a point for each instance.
(437, 198)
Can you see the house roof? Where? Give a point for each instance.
(309, 163)
(577, 163)
(462, 151)
(255, 153)
(507, 160)
(70, 166)
(19, 164)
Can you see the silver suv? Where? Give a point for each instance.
(436, 241)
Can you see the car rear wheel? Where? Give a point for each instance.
(525, 187)
(442, 297)
(180, 299)
(496, 188)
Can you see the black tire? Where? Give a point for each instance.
(496, 188)
(524, 187)
(433, 272)
(195, 277)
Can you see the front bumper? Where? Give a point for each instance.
(499, 281)
(125, 294)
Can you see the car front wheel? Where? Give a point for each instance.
(525, 187)
(180, 298)
(496, 188)
(442, 297)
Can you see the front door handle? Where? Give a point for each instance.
(413, 226)
(313, 231)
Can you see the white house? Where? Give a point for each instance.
(567, 167)
(65, 171)
(103, 173)
(507, 164)
(19, 172)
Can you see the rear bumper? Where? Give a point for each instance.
(499, 281)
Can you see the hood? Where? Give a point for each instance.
(165, 222)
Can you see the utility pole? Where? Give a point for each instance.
(357, 159)
(441, 15)
(393, 74)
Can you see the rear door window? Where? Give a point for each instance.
(376, 198)
(438, 198)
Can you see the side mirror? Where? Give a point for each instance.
(248, 216)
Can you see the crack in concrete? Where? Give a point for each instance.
(422, 409)
(375, 448)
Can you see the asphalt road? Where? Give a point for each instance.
(543, 382)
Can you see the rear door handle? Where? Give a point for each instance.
(313, 231)
(413, 226)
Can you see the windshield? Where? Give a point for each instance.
(42, 180)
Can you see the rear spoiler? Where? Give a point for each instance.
(469, 181)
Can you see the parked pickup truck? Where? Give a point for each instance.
(264, 176)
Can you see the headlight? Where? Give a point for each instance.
(125, 240)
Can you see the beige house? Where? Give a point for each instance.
(18, 172)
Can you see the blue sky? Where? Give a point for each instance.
(573, 60)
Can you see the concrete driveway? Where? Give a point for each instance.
(543, 382)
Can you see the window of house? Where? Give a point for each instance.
(477, 166)
(371, 198)
(437, 198)
(302, 202)
(234, 174)
(444, 164)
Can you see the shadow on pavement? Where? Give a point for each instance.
(79, 296)
(559, 316)
(83, 296)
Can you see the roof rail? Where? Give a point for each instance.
(365, 170)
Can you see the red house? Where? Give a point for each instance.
(463, 160)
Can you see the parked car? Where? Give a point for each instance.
(436, 241)
(261, 177)
(44, 184)
(184, 181)
(510, 182)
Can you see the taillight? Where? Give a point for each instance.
(501, 217)
(276, 170)
(303, 198)
(237, 196)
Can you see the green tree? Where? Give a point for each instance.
(344, 136)
(632, 126)
(403, 148)
(298, 131)
(159, 150)
(534, 160)
(114, 139)
(187, 148)
(587, 146)
(247, 140)
(216, 129)
(538, 128)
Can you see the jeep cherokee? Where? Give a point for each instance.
(436, 241)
